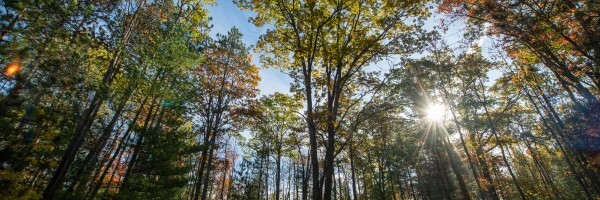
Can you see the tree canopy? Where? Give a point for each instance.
(441, 99)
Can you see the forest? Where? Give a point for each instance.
(387, 99)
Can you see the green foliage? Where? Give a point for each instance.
(134, 100)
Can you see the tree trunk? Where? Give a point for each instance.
(305, 176)
(351, 147)
(201, 166)
(138, 145)
(92, 157)
(225, 169)
(65, 162)
(208, 168)
(558, 140)
(467, 153)
(312, 131)
(118, 151)
(278, 171)
(328, 170)
(87, 119)
(495, 134)
(446, 182)
(452, 158)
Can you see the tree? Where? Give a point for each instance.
(226, 81)
(325, 46)
(277, 124)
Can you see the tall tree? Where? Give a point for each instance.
(227, 80)
(325, 46)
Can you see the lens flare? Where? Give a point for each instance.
(12, 69)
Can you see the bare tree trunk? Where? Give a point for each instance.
(208, 169)
(351, 147)
(448, 189)
(278, 171)
(452, 158)
(305, 176)
(225, 169)
(201, 166)
(312, 132)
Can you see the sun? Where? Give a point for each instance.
(435, 112)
